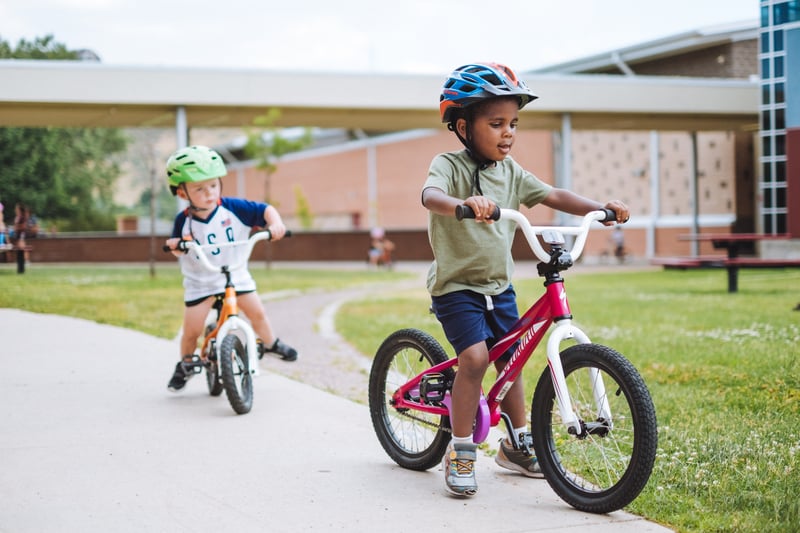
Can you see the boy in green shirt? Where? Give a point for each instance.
(470, 278)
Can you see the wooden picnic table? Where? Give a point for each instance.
(19, 253)
(733, 243)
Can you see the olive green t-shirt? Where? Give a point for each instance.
(470, 255)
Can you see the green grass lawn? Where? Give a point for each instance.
(723, 369)
(129, 297)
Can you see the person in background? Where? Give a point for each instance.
(3, 228)
(380, 248)
(618, 242)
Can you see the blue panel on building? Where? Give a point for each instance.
(793, 78)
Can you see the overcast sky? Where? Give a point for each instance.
(406, 36)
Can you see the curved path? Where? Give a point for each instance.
(92, 441)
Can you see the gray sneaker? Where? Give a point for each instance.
(517, 460)
(459, 470)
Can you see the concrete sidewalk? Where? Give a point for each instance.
(93, 441)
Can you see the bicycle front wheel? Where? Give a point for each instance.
(236, 378)
(605, 467)
(413, 439)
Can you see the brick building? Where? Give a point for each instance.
(373, 179)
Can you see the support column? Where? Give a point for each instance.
(695, 195)
(564, 180)
(655, 196)
(181, 141)
(181, 128)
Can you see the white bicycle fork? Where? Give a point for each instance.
(563, 331)
(239, 327)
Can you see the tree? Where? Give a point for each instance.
(65, 175)
(267, 144)
(303, 208)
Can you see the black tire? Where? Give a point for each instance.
(607, 467)
(213, 377)
(414, 440)
(236, 378)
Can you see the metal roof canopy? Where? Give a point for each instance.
(82, 94)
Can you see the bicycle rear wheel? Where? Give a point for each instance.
(213, 378)
(607, 466)
(236, 378)
(413, 439)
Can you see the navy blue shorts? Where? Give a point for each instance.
(468, 317)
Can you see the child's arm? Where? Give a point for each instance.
(575, 204)
(439, 202)
(274, 223)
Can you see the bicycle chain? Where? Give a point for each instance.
(426, 422)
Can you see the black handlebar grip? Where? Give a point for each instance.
(464, 211)
(181, 247)
(611, 216)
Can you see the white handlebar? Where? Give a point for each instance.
(531, 232)
(200, 249)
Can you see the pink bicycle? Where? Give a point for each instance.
(593, 423)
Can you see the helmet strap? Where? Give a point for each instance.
(481, 163)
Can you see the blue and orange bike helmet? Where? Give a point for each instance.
(475, 82)
(470, 85)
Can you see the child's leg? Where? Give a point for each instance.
(251, 304)
(194, 318)
(472, 365)
(514, 402)
(508, 456)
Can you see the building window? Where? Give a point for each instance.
(765, 42)
(777, 38)
(778, 67)
(793, 10)
(780, 120)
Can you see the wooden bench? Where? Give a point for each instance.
(8, 251)
(732, 265)
(685, 262)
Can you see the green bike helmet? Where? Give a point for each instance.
(192, 164)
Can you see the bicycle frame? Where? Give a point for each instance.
(229, 321)
(552, 307)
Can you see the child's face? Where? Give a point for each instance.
(494, 127)
(202, 194)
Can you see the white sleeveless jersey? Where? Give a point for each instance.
(232, 220)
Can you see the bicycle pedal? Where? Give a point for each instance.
(432, 388)
(195, 366)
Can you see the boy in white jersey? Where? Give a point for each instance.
(193, 174)
(470, 278)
